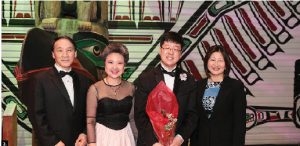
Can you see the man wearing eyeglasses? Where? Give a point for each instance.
(180, 82)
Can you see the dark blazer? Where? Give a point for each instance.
(227, 125)
(184, 89)
(51, 113)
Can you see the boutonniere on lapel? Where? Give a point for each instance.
(183, 76)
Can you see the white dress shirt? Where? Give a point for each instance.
(169, 80)
(68, 82)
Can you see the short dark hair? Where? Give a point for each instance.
(171, 37)
(64, 37)
(116, 48)
(210, 51)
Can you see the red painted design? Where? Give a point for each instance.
(278, 9)
(13, 36)
(147, 18)
(19, 15)
(240, 38)
(205, 45)
(264, 16)
(202, 22)
(24, 76)
(20, 36)
(125, 18)
(5, 36)
(251, 26)
(118, 17)
(27, 15)
(193, 69)
(233, 57)
(145, 39)
(155, 18)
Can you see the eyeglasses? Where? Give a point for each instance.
(176, 50)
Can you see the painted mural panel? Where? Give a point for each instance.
(261, 37)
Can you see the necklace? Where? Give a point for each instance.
(114, 88)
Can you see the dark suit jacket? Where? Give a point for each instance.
(51, 113)
(227, 125)
(184, 91)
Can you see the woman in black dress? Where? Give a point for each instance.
(109, 103)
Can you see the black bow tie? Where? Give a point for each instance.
(63, 73)
(171, 73)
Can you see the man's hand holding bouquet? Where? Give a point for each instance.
(162, 109)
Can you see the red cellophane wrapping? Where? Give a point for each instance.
(162, 109)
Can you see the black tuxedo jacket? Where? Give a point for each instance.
(227, 125)
(51, 113)
(184, 89)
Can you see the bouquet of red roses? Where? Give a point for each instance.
(162, 109)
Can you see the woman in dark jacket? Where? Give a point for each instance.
(222, 104)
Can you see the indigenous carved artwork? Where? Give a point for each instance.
(261, 38)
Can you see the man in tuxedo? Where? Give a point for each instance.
(58, 110)
(179, 81)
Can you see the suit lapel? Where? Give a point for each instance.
(76, 87)
(60, 85)
(202, 88)
(177, 81)
(158, 75)
(221, 96)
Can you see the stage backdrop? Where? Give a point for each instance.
(261, 37)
